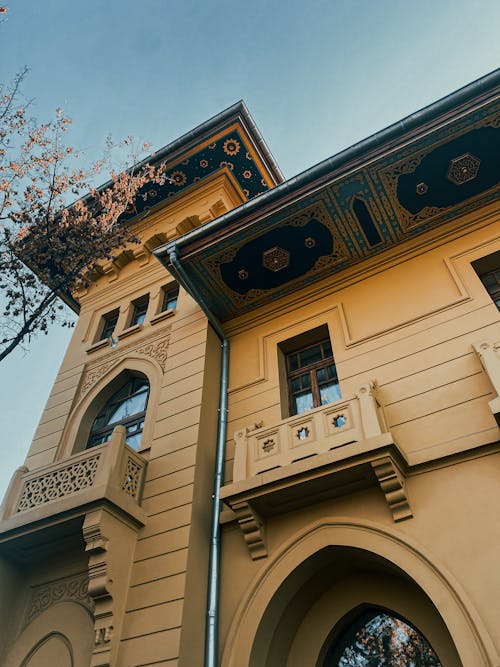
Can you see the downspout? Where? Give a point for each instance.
(212, 617)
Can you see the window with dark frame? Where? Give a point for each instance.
(312, 377)
(109, 324)
(170, 296)
(139, 311)
(126, 407)
(488, 271)
(491, 281)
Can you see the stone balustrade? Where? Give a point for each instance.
(314, 432)
(112, 470)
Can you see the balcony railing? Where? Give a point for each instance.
(113, 471)
(314, 432)
(333, 450)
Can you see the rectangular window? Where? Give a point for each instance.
(311, 375)
(109, 321)
(488, 270)
(139, 311)
(170, 296)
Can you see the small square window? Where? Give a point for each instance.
(139, 311)
(170, 296)
(488, 270)
(109, 321)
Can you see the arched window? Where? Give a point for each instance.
(378, 638)
(127, 407)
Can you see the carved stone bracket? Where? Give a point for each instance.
(393, 487)
(99, 588)
(109, 543)
(252, 528)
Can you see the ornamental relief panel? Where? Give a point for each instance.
(156, 348)
(74, 588)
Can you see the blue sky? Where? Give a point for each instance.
(317, 76)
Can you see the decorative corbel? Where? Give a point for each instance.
(393, 487)
(100, 586)
(155, 241)
(252, 528)
(188, 224)
(111, 270)
(218, 208)
(142, 255)
(110, 537)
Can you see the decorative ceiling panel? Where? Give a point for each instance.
(433, 176)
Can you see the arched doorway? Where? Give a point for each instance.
(375, 637)
(321, 594)
(333, 566)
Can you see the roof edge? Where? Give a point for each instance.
(484, 87)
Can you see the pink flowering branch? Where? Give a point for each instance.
(49, 243)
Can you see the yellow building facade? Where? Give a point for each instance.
(276, 427)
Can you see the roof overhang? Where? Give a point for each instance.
(227, 145)
(415, 175)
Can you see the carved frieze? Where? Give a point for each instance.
(45, 595)
(155, 347)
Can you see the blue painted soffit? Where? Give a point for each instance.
(412, 177)
(230, 142)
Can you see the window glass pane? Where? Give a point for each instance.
(381, 639)
(140, 310)
(134, 441)
(101, 420)
(331, 371)
(488, 270)
(170, 297)
(310, 356)
(130, 406)
(109, 324)
(293, 362)
(318, 383)
(127, 406)
(98, 439)
(140, 317)
(329, 393)
(303, 402)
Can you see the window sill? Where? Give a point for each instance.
(131, 330)
(99, 345)
(163, 316)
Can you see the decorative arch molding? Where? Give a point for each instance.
(471, 638)
(70, 621)
(60, 641)
(85, 409)
(153, 347)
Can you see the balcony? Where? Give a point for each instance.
(111, 473)
(333, 450)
